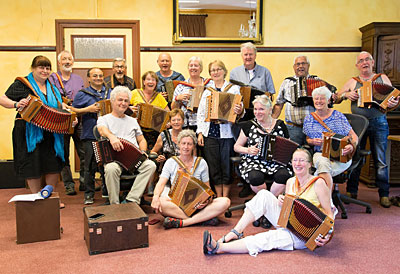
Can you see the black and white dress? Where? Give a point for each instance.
(250, 162)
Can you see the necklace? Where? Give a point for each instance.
(267, 127)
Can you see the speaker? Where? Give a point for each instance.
(7, 177)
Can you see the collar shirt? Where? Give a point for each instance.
(260, 79)
(71, 86)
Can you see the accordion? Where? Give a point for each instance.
(152, 117)
(169, 88)
(276, 148)
(333, 146)
(130, 158)
(195, 98)
(249, 93)
(304, 220)
(377, 94)
(105, 107)
(188, 192)
(47, 118)
(301, 92)
(220, 107)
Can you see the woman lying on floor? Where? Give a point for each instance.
(206, 212)
(266, 204)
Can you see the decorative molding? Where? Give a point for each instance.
(27, 48)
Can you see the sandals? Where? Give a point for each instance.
(207, 244)
(234, 231)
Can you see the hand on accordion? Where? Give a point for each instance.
(93, 108)
(238, 109)
(253, 150)
(75, 122)
(352, 95)
(317, 142)
(165, 95)
(321, 241)
(348, 149)
(393, 102)
(22, 103)
(116, 144)
(280, 199)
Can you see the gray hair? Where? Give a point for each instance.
(248, 45)
(61, 53)
(119, 59)
(308, 61)
(187, 133)
(322, 91)
(263, 100)
(196, 59)
(118, 90)
(364, 52)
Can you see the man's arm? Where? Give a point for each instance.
(114, 141)
(347, 92)
(276, 110)
(142, 142)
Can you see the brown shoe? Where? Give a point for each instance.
(385, 202)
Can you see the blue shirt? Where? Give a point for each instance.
(89, 120)
(337, 122)
(262, 78)
(161, 79)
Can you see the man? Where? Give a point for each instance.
(294, 116)
(118, 125)
(86, 100)
(378, 129)
(166, 74)
(69, 84)
(119, 78)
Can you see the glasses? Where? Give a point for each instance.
(119, 67)
(301, 161)
(301, 64)
(367, 59)
(97, 75)
(216, 70)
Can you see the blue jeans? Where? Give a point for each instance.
(296, 134)
(378, 132)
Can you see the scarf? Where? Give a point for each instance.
(34, 134)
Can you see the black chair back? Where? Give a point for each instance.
(358, 123)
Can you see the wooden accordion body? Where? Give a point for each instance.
(195, 98)
(105, 107)
(152, 117)
(249, 94)
(169, 88)
(276, 148)
(376, 94)
(48, 118)
(220, 107)
(333, 146)
(304, 219)
(188, 192)
(130, 158)
(301, 92)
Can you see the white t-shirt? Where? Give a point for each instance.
(126, 128)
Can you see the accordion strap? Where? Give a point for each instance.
(144, 98)
(169, 140)
(26, 83)
(376, 76)
(316, 117)
(182, 165)
(300, 191)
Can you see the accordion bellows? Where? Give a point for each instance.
(301, 92)
(188, 192)
(304, 219)
(105, 107)
(378, 94)
(333, 146)
(276, 148)
(48, 118)
(152, 117)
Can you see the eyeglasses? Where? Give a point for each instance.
(119, 67)
(301, 64)
(216, 70)
(97, 76)
(301, 161)
(367, 59)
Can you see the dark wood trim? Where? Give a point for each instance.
(27, 48)
(259, 49)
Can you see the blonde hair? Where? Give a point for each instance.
(263, 100)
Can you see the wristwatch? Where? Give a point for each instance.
(15, 104)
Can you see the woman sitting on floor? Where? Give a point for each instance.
(311, 188)
(206, 212)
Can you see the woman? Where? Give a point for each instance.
(37, 153)
(149, 95)
(168, 139)
(313, 129)
(206, 212)
(217, 138)
(254, 169)
(304, 185)
(182, 91)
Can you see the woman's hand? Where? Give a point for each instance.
(238, 109)
(348, 149)
(316, 142)
(253, 150)
(280, 199)
(203, 205)
(165, 95)
(183, 97)
(161, 158)
(22, 103)
(156, 204)
(200, 140)
(75, 122)
(321, 241)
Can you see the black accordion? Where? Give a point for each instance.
(302, 90)
(276, 148)
(130, 158)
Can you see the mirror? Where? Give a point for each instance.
(217, 21)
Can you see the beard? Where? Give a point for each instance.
(119, 76)
(67, 69)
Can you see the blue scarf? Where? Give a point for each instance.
(34, 134)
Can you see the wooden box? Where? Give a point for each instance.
(123, 226)
(39, 220)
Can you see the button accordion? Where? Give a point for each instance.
(220, 106)
(48, 118)
(304, 220)
(152, 117)
(105, 107)
(276, 148)
(333, 146)
(301, 91)
(188, 192)
(376, 94)
(130, 158)
(195, 98)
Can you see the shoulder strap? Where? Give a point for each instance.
(176, 77)
(198, 159)
(169, 139)
(319, 120)
(376, 76)
(182, 165)
(206, 81)
(90, 93)
(26, 83)
(310, 183)
(258, 125)
(182, 83)
(211, 89)
(358, 79)
(227, 87)
(144, 98)
(291, 78)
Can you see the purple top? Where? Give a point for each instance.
(71, 86)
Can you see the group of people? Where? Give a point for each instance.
(39, 153)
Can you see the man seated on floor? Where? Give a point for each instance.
(118, 125)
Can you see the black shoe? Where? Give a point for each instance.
(372, 185)
(104, 192)
(144, 202)
(246, 191)
(70, 190)
(126, 201)
(170, 222)
(89, 199)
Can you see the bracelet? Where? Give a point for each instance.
(15, 104)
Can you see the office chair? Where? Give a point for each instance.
(359, 124)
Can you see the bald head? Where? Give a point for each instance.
(164, 61)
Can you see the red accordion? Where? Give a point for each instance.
(301, 93)
(130, 158)
(276, 148)
(376, 94)
(304, 220)
(48, 118)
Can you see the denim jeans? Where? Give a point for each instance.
(378, 131)
(296, 134)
